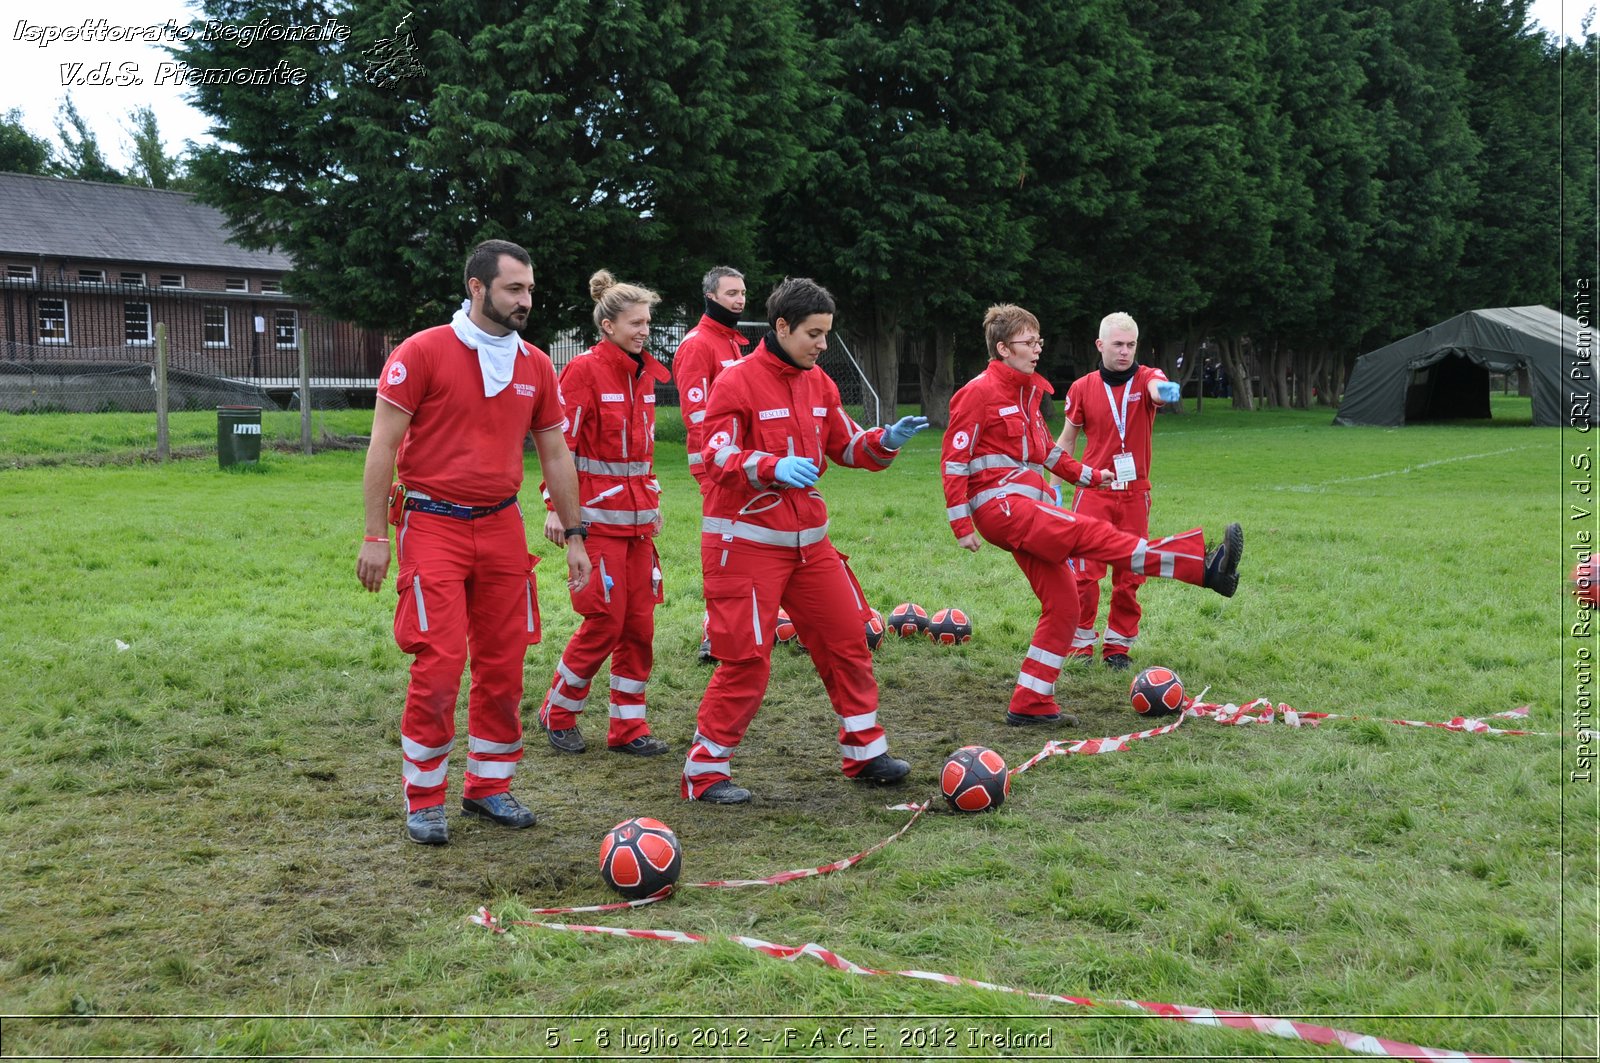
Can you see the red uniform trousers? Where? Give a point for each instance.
(744, 587)
(1042, 538)
(619, 623)
(1130, 512)
(466, 590)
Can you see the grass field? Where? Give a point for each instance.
(208, 822)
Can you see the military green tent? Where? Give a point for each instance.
(1442, 373)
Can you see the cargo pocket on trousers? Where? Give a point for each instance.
(411, 613)
(733, 617)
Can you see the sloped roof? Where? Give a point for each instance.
(59, 218)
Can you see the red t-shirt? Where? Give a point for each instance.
(1090, 409)
(461, 446)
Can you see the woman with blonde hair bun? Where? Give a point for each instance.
(609, 396)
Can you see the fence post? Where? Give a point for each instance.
(305, 390)
(163, 439)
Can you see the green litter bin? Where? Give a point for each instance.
(238, 435)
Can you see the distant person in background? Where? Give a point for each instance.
(609, 393)
(996, 455)
(714, 344)
(1114, 408)
(774, 423)
(455, 403)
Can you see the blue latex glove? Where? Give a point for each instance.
(1057, 490)
(899, 434)
(1167, 391)
(795, 472)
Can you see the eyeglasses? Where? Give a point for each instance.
(1036, 343)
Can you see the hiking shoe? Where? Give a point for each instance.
(1118, 662)
(723, 792)
(566, 739)
(705, 652)
(643, 746)
(883, 770)
(1222, 563)
(501, 808)
(1023, 719)
(428, 826)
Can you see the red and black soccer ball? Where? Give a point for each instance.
(974, 779)
(1156, 692)
(908, 620)
(640, 857)
(1586, 581)
(785, 632)
(875, 629)
(949, 626)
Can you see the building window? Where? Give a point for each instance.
(53, 321)
(271, 287)
(91, 276)
(172, 280)
(136, 324)
(216, 326)
(131, 278)
(236, 284)
(19, 273)
(285, 327)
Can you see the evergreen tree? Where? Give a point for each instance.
(20, 150)
(80, 155)
(152, 166)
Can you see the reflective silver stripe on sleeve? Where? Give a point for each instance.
(1035, 684)
(1054, 660)
(957, 468)
(491, 769)
(1024, 490)
(697, 417)
(618, 516)
(850, 449)
(415, 776)
(483, 745)
(738, 529)
(626, 712)
(721, 457)
(417, 751)
(612, 468)
(750, 464)
(865, 722)
(994, 461)
(1055, 455)
(957, 512)
(696, 459)
(1136, 566)
(573, 679)
(627, 686)
(866, 752)
(1086, 477)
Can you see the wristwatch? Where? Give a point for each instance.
(580, 531)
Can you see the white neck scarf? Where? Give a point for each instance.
(496, 354)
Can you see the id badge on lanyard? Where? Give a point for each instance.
(1122, 465)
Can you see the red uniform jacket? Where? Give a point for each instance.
(707, 349)
(763, 409)
(611, 431)
(997, 445)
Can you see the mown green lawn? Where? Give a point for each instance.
(208, 822)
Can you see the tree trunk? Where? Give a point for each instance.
(938, 376)
(880, 358)
(1237, 363)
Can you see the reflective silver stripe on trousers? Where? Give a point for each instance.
(627, 686)
(565, 702)
(1054, 660)
(532, 616)
(1117, 638)
(703, 767)
(1024, 490)
(865, 722)
(483, 745)
(573, 679)
(416, 596)
(618, 516)
(957, 468)
(957, 512)
(1035, 684)
(611, 468)
(491, 769)
(1084, 637)
(417, 751)
(738, 529)
(710, 747)
(867, 752)
(627, 712)
(415, 776)
(755, 615)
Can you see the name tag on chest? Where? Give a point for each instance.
(819, 411)
(1007, 411)
(613, 396)
(774, 415)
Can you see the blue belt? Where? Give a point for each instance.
(450, 509)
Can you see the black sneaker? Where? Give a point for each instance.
(723, 792)
(1023, 719)
(1118, 662)
(883, 770)
(643, 746)
(566, 739)
(428, 826)
(1222, 563)
(501, 808)
(705, 652)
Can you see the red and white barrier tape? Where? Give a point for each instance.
(1310, 1033)
(1262, 710)
(1091, 746)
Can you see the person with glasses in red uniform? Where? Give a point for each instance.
(1114, 408)
(714, 344)
(455, 403)
(774, 423)
(610, 398)
(996, 455)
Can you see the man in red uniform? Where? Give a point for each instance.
(455, 403)
(773, 424)
(610, 398)
(996, 455)
(1115, 408)
(706, 350)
